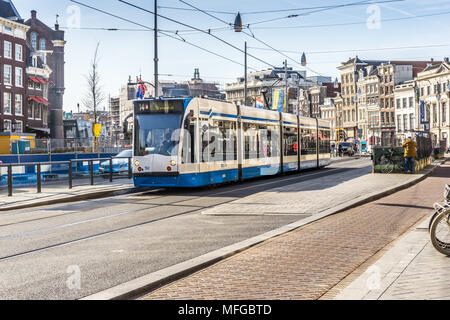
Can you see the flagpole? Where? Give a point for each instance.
(156, 50)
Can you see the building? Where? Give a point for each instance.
(13, 109)
(319, 80)
(368, 88)
(406, 110)
(318, 94)
(114, 113)
(329, 112)
(340, 132)
(49, 44)
(262, 84)
(349, 78)
(433, 85)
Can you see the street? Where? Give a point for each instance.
(117, 239)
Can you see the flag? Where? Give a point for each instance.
(259, 103)
(141, 89)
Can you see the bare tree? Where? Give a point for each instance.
(94, 96)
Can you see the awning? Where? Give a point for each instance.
(42, 100)
(39, 100)
(45, 130)
(37, 80)
(34, 98)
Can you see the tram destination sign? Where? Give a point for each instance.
(159, 106)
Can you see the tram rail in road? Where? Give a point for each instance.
(34, 238)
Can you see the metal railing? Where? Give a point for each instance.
(69, 163)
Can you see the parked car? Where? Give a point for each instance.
(348, 148)
(119, 163)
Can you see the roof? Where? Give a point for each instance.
(8, 10)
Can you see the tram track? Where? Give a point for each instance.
(202, 194)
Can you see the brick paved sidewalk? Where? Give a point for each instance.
(411, 270)
(308, 262)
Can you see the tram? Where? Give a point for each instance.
(196, 142)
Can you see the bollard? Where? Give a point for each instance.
(91, 171)
(70, 175)
(10, 182)
(111, 170)
(38, 178)
(130, 170)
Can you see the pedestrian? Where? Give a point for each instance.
(340, 150)
(410, 153)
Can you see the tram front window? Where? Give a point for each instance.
(157, 134)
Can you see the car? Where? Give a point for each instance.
(119, 163)
(348, 148)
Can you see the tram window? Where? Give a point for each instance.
(269, 141)
(229, 141)
(324, 142)
(309, 144)
(251, 139)
(290, 145)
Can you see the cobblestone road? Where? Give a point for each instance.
(308, 262)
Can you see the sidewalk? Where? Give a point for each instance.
(312, 260)
(27, 197)
(411, 270)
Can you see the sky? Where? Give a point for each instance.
(328, 37)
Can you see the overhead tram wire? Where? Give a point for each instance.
(267, 11)
(320, 9)
(249, 35)
(162, 32)
(353, 23)
(197, 29)
(359, 50)
(327, 8)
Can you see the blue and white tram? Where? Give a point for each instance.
(195, 142)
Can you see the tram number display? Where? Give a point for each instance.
(159, 106)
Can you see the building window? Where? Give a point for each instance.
(7, 102)
(7, 126)
(398, 104)
(37, 111)
(405, 103)
(392, 117)
(18, 110)
(34, 40)
(411, 122)
(399, 123)
(435, 114)
(7, 50)
(19, 52)
(405, 122)
(30, 109)
(411, 102)
(19, 127)
(444, 112)
(7, 75)
(422, 92)
(42, 44)
(19, 77)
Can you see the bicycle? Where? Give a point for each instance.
(387, 163)
(439, 227)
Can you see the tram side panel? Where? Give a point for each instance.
(308, 134)
(260, 137)
(324, 128)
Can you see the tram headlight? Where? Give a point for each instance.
(173, 163)
(137, 163)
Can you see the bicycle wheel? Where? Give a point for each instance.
(440, 233)
(387, 166)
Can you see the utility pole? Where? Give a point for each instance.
(245, 76)
(156, 51)
(286, 85)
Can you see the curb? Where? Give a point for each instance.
(80, 197)
(155, 280)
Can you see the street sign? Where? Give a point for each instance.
(97, 129)
(422, 112)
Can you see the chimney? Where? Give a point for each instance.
(33, 14)
(432, 59)
(446, 59)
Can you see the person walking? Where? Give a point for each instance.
(410, 153)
